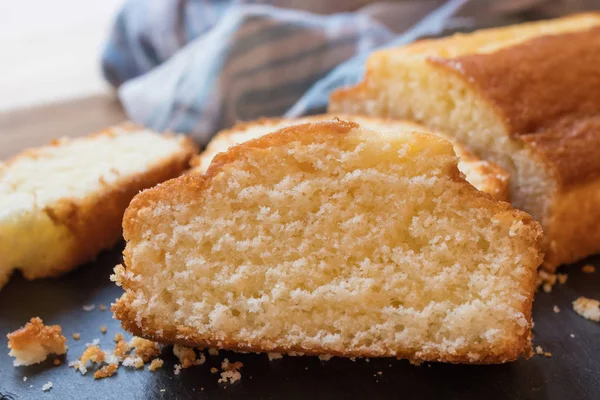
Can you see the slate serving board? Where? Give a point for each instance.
(573, 371)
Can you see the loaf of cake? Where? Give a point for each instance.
(328, 238)
(524, 96)
(61, 204)
(485, 176)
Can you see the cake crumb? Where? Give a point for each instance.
(106, 371)
(572, 335)
(103, 329)
(274, 356)
(213, 370)
(230, 372)
(588, 269)
(177, 369)
(546, 280)
(133, 362)
(547, 354)
(213, 352)
(186, 355)
(155, 364)
(89, 307)
(539, 350)
(562, 278)
(556, 309)
(121, 348)
(24, 379)
(145, 349)
(102, 307)
(56, 362)
(33, 343)
(76, 336)
(93, 354)
(47, 386)
(587, 308)
(118, 337)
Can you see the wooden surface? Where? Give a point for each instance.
(37, 126)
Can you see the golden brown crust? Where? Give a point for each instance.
(187, 337)
(94, 222)
(35, 333)
(189, 187)
(547, 90)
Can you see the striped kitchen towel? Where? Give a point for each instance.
(198, 66)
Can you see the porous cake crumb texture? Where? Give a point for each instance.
(329, 239)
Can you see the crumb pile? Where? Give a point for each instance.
(230, 371)
(35, 341)
(135, 353)
(547, 280)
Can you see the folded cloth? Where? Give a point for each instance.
(200, 66)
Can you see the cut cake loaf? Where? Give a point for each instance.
(327, 238)
(61, 204)
(485, 176)
(524, 96)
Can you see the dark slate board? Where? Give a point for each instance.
(573, 371)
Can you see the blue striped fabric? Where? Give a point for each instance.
(200, 66)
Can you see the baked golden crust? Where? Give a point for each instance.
(189, 187)
(547, 90)
(94, 222)
(487, 176)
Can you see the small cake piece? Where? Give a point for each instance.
(35, 341)
(145, 349)
(155, 364)
(230, 371)
(485, 176)
(61, 204)
(186, 355)
(525, 96)
(588, 269)
(106, 371)
(327, 238)
(587, 308)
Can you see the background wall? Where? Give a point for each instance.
(49, 50)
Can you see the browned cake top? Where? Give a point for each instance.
(548, 91)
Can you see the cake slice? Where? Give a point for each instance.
(61, 204)
(525, 96)
(485, 176)
(327, 238)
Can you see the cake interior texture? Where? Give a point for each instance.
(522, 96)
(327, 238)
